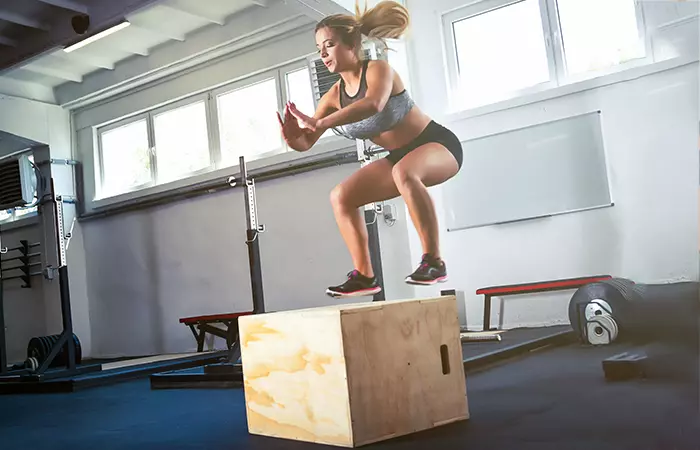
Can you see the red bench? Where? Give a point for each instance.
(201, 325)
(527, 288)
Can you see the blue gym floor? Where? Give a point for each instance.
(554, 398)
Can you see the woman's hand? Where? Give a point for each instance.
(305, 121)
(293, 134)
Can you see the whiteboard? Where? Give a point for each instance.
(546, 169)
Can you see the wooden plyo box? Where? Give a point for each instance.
(350, 375)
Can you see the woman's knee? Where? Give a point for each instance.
(341, 197)
(403, 175)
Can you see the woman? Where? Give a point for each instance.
(370, 102)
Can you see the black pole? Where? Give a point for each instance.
(375, 251)
(67, 316)
(3, 356)
(253, 231)
(256, 281)
(252, 240)
(64, 287)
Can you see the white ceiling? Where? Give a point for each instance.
(160, 23)
(32, 36)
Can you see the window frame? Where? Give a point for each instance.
(558, 42)
(99, 182)
(187, 101)
(293, 67)
(553, 39)
(277, 73)
(238, 85)
(452, 64)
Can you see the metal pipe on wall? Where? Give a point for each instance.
(214, 186)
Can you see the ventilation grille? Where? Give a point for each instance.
(17, 183)
(321, 79)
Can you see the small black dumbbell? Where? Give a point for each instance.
(625, 366)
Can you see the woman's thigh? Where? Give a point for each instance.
(432, 163)
(371, 183)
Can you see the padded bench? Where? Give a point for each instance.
(540, 286)
(201, 325)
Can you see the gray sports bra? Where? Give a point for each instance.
(395, 109)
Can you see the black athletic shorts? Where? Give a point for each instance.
(434, 132)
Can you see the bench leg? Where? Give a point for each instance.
(487, 312)
(231, 333)
(199, 337)
(234, 343)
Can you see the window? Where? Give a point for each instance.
(125, 158)
(500, 49)
(299, 91)
(615, 38)
(202, 133)
(247, 122)
(182, 142)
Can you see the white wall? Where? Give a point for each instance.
(650, 135)
(37, 311)
(145, 269)
(148, 268)
(25, 310)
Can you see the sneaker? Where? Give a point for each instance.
(356, 285)
(429, 272)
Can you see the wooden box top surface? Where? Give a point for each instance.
(349, 308)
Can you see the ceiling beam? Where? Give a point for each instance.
(84, 59)
(7, 42)
(186, 8)
(158, 31)
(25, 21)
(70, 5)
(103, 15)
(127, 47)
(53, 72)
(25, 89)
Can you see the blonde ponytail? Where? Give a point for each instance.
(388, 19)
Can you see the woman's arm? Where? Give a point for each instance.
(380, 80)
(302, 139)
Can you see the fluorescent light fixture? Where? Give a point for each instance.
(97, 37)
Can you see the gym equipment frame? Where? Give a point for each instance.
(228, 373)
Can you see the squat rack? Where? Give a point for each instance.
(56, 265)
(228, 372)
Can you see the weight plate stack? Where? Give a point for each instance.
(596, 308)
(40, 347)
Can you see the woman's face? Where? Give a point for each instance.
(336, 55)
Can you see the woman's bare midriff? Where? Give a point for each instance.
(405, 131)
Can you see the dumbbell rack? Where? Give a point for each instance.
(53, 231)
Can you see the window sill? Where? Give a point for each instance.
(29, 220)
(568, 89)
(325, 148)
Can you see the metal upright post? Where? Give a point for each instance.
(64, 290)
(64, 286)
(371, 217)
(252, 232)
(3, 355)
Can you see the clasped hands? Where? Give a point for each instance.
(295, 121)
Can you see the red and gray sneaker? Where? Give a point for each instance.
(357, 285)
(429, 272)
